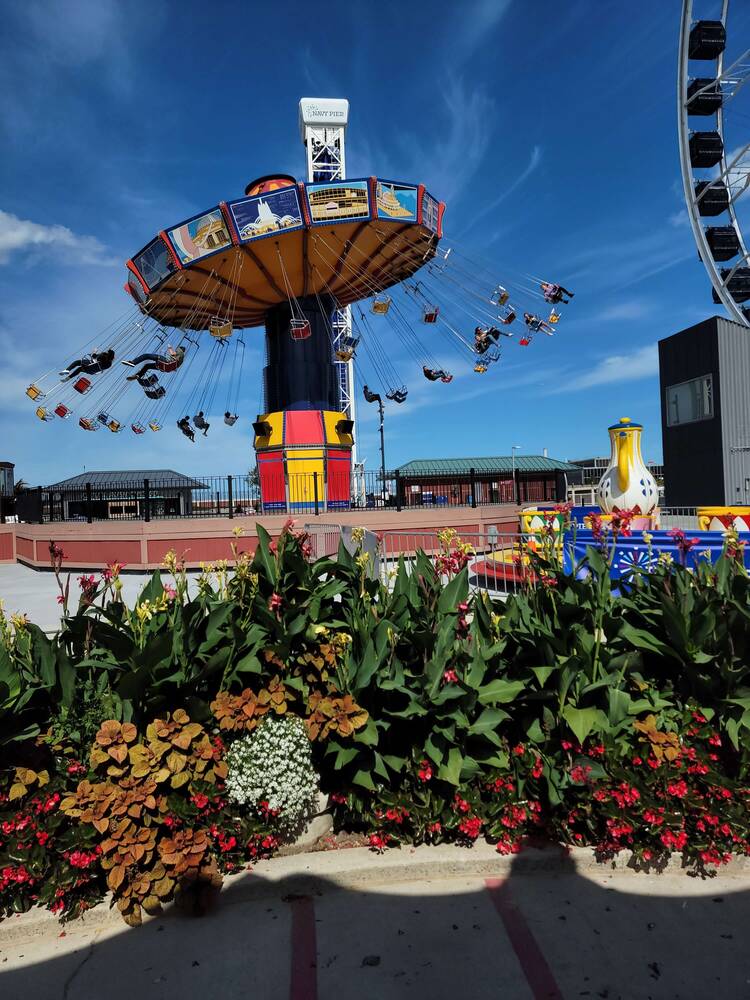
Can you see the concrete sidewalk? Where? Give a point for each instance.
(431, 923)
(34, 592)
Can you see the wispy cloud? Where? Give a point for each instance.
(534, 160)
(624, 262)
(477, 22)
(452, 161)
(641, 363)
(19, 235)
(679, 219)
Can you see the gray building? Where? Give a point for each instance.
(704, 379)
(119, 495)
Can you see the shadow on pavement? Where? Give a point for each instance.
(530, 933)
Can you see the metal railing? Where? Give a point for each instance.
(495, 561)
(678, 517)
(309, 493)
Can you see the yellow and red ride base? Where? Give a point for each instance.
(304, 460)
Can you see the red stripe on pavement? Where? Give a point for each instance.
(303, 983)
(538, 973)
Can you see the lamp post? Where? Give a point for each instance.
(513, 450)
(375, 397)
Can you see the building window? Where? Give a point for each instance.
(690, 401)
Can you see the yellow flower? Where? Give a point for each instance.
(170, 561)
(19, 621)
(238, 531)
(145, 611)
(363, 560)
(647, 538)
(665, 558)
(358, 535)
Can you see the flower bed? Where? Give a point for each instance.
(149, 750)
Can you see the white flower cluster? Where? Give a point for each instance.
(274, 764)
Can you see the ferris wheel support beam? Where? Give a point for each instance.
(728, 83)
(322, 123)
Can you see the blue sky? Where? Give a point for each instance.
(549, 129)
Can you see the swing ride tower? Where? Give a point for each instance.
(290, 257)
(322, 124)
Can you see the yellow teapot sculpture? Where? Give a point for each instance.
(627, 484)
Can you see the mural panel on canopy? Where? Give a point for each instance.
(266, 213)
(200, 236)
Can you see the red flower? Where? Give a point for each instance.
(471, 827)
(378, 841)
(199, 800)
(580, 775)
(450, 677)
(678, 789)
(275, 602)
(675, 841)
(425, 772)
(460, 805)
(338, 797)
(536, 771)
(519, 749)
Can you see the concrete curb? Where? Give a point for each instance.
(358, 868)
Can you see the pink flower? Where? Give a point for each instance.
(275, 602)
(450, 677)
(170, 591)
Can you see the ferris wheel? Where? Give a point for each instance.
(715, 166)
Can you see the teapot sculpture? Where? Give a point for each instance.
(627, 484)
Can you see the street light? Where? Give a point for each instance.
(375, 397)
(513, 450)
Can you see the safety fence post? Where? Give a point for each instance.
(398, 490)
(229, 496)
(473, 488)
(146, 500)
(315, 493)
(89, 515)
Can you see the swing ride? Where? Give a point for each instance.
(294, 258)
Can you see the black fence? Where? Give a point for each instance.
(305, 493)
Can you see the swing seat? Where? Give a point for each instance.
(480, 369)
(381, 305)
(34, 392)
(554, 317)
(430, 314)
(500, 296)
(492, 357)
(447, 378)
(220, 328)
(154, 426)
(43, 414)
(115, 426)
(82, 385)
(299, 329)
(62, 410)
(398, 395)
(138, 428)
(344, 356)
(524, 341)
(88, 425)
(103, 418)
